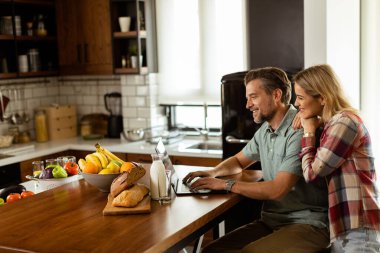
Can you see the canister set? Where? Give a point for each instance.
(29, 62)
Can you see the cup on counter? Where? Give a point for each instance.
(166, 197)
(37, 167)
(51, 161)
(125, 23)
(62, 160)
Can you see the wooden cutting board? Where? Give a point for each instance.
(142, 207)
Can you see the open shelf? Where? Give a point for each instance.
(36, 2)
(143, 71)
(39, 73)
(130, 34)
(36, 38)
(6, 37)
(8, 75)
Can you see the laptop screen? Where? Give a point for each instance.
(160, 150)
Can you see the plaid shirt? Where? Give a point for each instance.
(345, 158)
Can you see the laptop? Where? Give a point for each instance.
(179, 187)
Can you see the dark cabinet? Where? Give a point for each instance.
(27, 38)
(134, 49)
(84, 37)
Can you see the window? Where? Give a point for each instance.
(198, 42)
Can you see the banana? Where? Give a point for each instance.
(107, 153)
(82, 163)
(95, 160)
(102, 158)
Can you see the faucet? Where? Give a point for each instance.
(204, 132)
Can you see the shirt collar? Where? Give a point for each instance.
(285, 123)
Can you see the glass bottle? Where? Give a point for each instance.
(41, 126)
(157, 177)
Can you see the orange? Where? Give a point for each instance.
(89, 167)
(126, 167)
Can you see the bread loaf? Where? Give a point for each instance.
(127, 179)
(131, 197)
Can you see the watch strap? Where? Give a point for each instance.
(229, 184)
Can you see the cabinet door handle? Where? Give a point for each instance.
(79, 53)
(85, 52)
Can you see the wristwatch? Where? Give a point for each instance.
(229, 184)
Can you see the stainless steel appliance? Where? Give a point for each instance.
(112, 102)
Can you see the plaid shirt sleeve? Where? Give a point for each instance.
(336, 144)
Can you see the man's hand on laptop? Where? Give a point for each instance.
(192, 175)
(208, 183)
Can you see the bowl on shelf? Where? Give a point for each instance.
(101, 181)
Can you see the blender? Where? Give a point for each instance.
(112, 102)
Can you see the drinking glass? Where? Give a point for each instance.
(37, 167)
(51, 161)
(166, 197)
(62, 160)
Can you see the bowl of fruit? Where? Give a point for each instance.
(100, 168)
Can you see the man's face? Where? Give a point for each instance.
(261, 104)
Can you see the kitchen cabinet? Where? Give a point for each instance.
(28, 28)
(138, 40)
(84, 37)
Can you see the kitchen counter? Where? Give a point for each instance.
(22, 152)
(69, 219)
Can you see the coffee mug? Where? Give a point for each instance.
(125, 23)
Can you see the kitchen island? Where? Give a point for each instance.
(69, 219)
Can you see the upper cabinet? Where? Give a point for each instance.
(27, 38)
(134, 36)
(84, 37)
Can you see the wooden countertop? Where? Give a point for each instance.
(69, 219)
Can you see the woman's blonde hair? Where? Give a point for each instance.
(321, 80)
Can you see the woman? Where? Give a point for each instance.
(344, 157)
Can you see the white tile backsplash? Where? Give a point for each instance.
(139, 96)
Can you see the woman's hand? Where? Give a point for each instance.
(310, 125)
(297, 121)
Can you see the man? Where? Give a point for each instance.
(294, 214)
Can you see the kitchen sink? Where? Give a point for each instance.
(206, 146)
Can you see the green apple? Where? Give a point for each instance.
(2, 201)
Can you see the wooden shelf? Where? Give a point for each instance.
(8, 75)
(6, 37)
(35, 38)
(36, 2)
(143, 71)
(39, 73)
(130, 34)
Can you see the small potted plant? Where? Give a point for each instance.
(133, 52)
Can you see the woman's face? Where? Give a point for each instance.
(308, 106)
